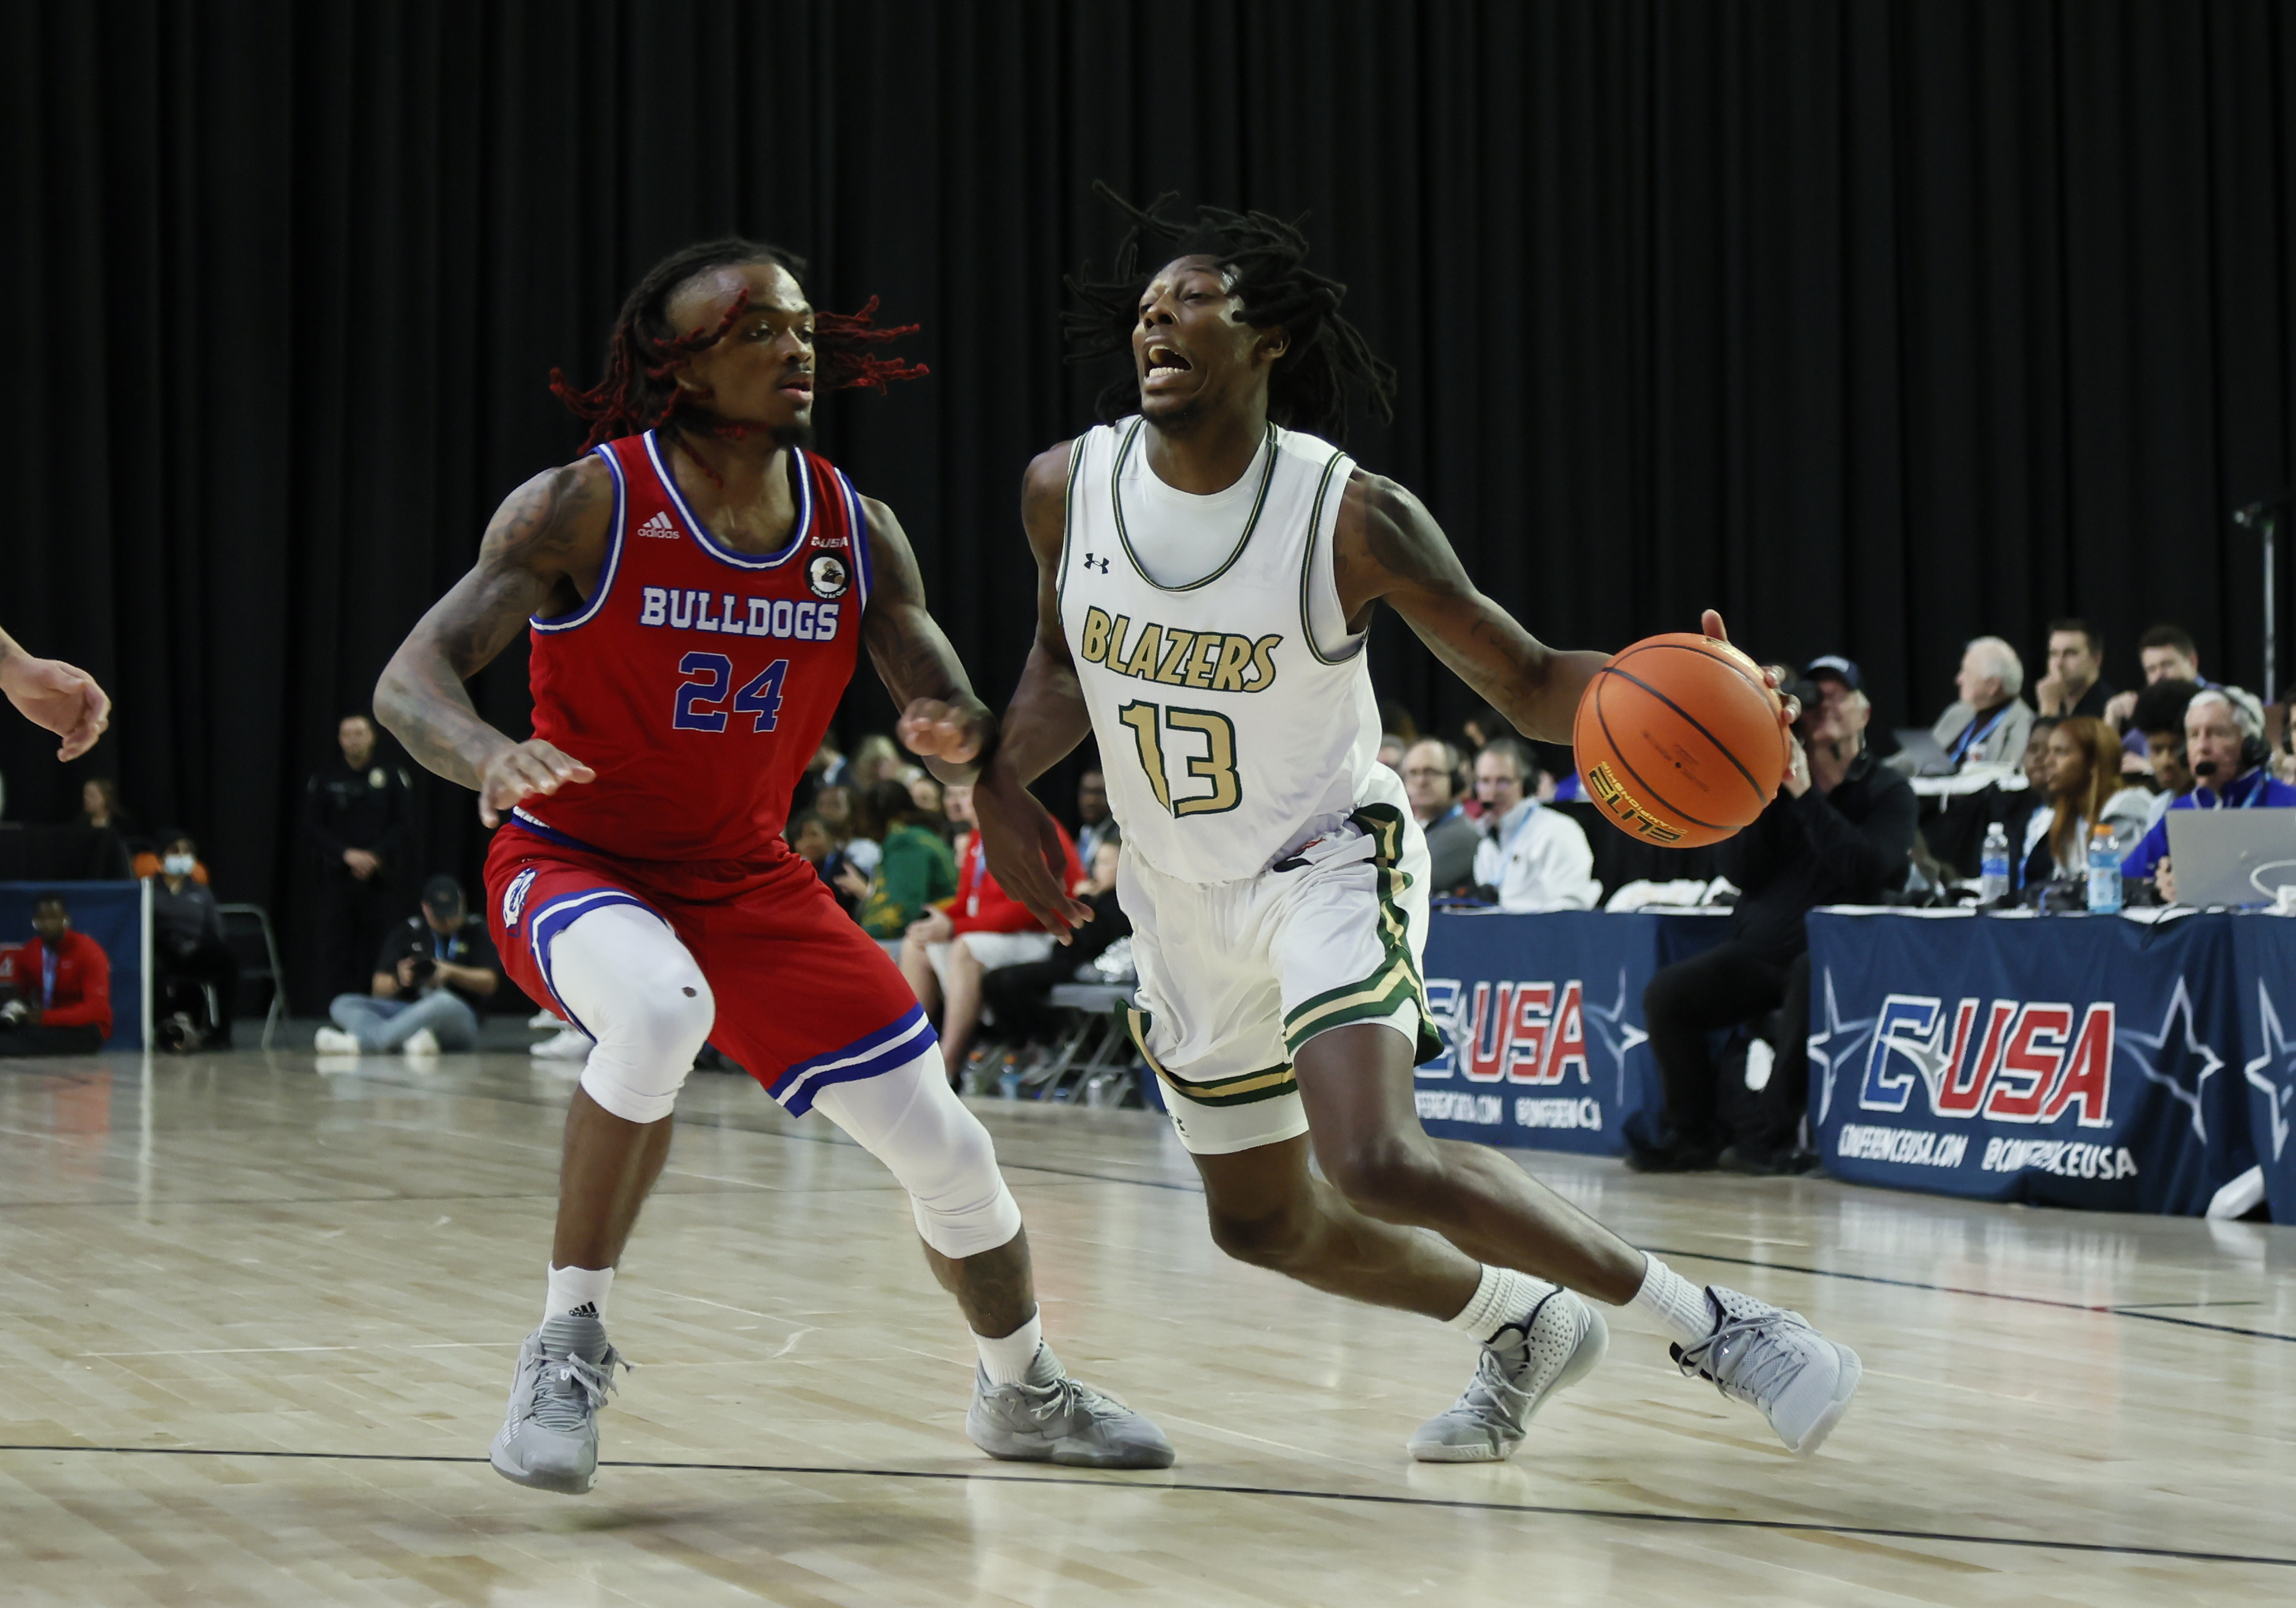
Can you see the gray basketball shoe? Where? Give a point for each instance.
(1772, 1360)
(1049, 1417)
(1556, 1343)
(549, 1438)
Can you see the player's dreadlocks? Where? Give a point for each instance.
(644, 354)
(1327, 362)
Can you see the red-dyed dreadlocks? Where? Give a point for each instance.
(644, 354)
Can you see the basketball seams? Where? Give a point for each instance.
(1697, 724)
(1618, 754)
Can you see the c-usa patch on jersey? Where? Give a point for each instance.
(514, 897)
(827, 574)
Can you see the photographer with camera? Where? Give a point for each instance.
(1839, 831)
(435, 973)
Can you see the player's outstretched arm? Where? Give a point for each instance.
(1389, 547)
(942, 722)
(547, 538)
(59, 697)
(1045, 720)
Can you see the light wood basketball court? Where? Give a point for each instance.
(260, 1320)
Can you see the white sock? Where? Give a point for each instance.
(1678, 1306)
(573, 1288)
(1504, 1296)
(1006, 1361)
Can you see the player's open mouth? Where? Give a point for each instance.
(1164, 363)
(800, 386)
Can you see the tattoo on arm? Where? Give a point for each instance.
(536, 540)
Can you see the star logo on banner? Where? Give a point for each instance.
(2273, 1072)
(1838, 1041)
(1618, 1035)
(2178, 1061)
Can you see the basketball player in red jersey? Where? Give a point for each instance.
(698, 587)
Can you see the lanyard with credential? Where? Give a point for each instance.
(1971, 735)
(47, 977)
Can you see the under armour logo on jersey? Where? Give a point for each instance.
(660, 526)
(1090, 559)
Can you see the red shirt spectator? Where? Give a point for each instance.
(980, 906)
(75, 992)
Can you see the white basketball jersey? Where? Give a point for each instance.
(1225, 726)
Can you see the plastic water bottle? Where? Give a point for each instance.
(2103, 872)
(1993, 866)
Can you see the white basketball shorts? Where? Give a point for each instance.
(1234, 977)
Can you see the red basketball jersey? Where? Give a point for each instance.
(697, 681)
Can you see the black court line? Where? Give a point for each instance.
(721, 1121)
(1206, 1487)
(2030, 1301)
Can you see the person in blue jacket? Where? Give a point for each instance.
(2224, 743)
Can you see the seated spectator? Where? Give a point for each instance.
(189, 954)
(915, 868)
(1391, 749)
(2167, 654)
(925, 789)
(810, 837)
(1019, 996)
(876, 760)
(436, 972)
(1839, 831)
(1531, 857)
(2085, 791)
(2075, 684)
(2224, 743)
(946, 951)
(1987, 724)
(1430, 780)
(1094, 824)
(2159, 721)
(100, 807)
(55, 991)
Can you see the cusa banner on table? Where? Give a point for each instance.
(1543, 1018)
(2078, 1061)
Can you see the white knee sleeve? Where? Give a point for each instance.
(911, 1120)
(636, 990)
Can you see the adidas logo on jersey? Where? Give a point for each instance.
(660, 525)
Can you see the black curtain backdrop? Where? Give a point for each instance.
(1878, 325)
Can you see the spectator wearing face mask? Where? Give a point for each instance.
(2224, 741)
(188, 952)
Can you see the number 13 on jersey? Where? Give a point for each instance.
(1151, 722)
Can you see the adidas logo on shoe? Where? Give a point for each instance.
(660, 526)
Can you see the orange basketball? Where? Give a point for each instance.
(1679, 740)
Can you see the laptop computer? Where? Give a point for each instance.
(1920, 744)
(2231, 856)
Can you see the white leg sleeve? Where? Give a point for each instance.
(910, 1119)
(636, 990)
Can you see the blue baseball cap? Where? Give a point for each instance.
(1844, 670)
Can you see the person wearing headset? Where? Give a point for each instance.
(2224, 744)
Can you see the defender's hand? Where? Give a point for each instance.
(60, 697)
(1023, 849)
(1774, 677)
(951, 732)
(522, 770)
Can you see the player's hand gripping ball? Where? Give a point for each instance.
(1679, 740)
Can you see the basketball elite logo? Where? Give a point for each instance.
(827, 574)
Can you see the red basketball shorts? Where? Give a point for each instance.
(805, 998)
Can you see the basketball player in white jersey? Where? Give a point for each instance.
(1206, 574)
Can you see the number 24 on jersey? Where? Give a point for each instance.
(708, 678)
